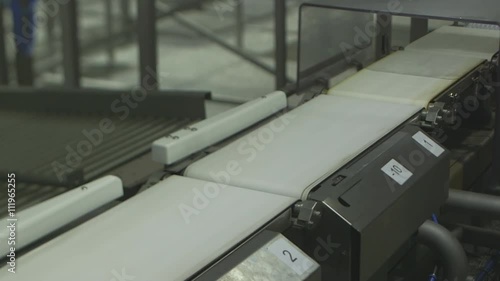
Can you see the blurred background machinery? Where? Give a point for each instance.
(87, 43)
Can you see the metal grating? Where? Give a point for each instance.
(33, 143)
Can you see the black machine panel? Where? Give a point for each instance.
(373, 206)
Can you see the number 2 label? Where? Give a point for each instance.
(286, 252)
(290, 255)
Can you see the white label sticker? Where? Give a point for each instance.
(397, 171)
(290, 256)
(428, 143)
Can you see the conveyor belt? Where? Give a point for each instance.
(179, 226)
(195, 220)
(326, 133)
(425, 69)
(293, 152)
(391, 87)
(461, 41)
(425, 64)
(53, 214)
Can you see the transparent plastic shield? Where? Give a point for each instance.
(484, 11)
(332, 32)
(329, 37)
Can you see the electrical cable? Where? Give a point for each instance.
(435, 218)
(433, 276)
(489, 267)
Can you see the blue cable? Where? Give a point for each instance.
(490, 265)
(433, 276)
(435, 218)
(23, 13)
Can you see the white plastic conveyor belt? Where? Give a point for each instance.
(425, 69)
(168, 232)
(288, 155)
(425, 64)
(50, 215)
(391, 87)
(461, 41)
